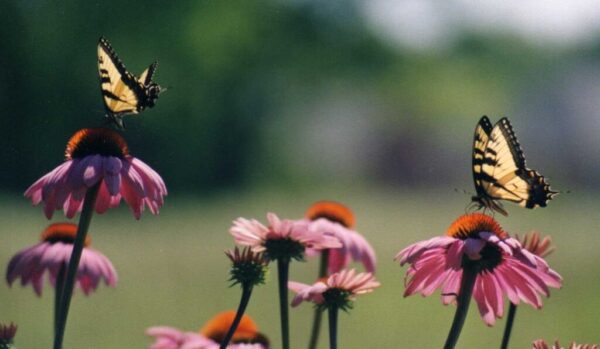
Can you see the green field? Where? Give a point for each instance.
(172, 271)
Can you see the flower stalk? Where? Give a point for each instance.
(512, 310)
(283, 266)
(65, 299)
(246, 293)
(333, 315)
(467, 283)
(60, 284)
(318, 315)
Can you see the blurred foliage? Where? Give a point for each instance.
(241, 76)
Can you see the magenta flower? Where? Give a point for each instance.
(503, 266)
(334, 219)
(53, 254)
(339, 289)
(96, 155)
(295, 235)
(540, 344)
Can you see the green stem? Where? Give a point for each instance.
(464, 298)
(58, 291)
(283, 267)
(333, 312)
(512, 310)
(318, 315)
(246, 293)
(84, 224)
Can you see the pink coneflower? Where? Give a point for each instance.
(52, 254)
(334, 219)
(540, 247)
(281, 239)
(98, 155)
(540, 344)
(502, 266)
(246, 336)
(338, 290)
(533, 243)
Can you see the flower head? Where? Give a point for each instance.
(245, 337)
(98, 155)
(7, 334)
(338, 290)
(248, 268)
(52, 254)
(281, 239)
(502, 265)
(540, 344)
(334, 219)
(532, 243)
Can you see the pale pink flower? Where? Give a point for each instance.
(347, 284)
(354, 246)
(92, 156)
(53, 255)
(335, 219)
(504, 267)
(540, 344)
(254, 234)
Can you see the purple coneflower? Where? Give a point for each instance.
(52, 255)
(540, 344)
(335, 219)
(338, 291)
(7, 335)
(541, 248)
(476, 256)
(98, 155)
(98, 171)
(212, 333)
(282, 240)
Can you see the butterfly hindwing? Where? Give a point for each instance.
(122, 92)
(499, 169)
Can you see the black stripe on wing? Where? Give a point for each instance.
(128, 79)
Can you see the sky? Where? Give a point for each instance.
(427, 24)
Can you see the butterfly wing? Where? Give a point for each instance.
(500, 173)
(146, 77)
(121, 90)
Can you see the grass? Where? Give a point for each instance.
(172, 271)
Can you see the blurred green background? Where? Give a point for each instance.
(272, 105)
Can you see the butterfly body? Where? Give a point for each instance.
(122, 92)
(499, 170)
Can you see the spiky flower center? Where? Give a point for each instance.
(332, 211)
(470, 225)
(336, 298)
(62, 232)
(285, 249)
(491, 257)
(96, 141)
(248, 268)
